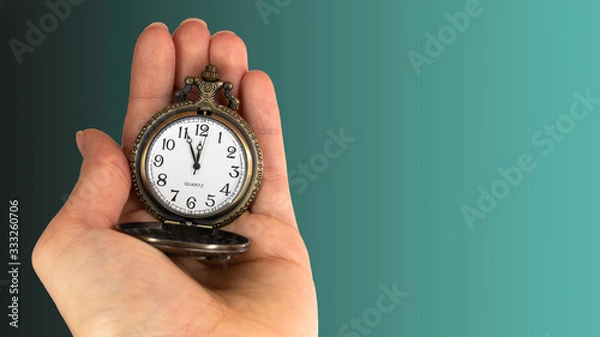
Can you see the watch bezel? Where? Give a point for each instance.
(221, 114)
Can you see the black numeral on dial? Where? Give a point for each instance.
(236, 171)
(168, 144)
(210, 201)
(191, 203)
(231, 152)
(159, 160)
(183, 132)
(225, 189)
(202, 130)
(162, 180)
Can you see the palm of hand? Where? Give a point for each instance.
(104, 282)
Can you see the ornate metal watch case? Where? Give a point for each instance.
(196, 166)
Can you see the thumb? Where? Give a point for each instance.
(103, 185)
(95, 202)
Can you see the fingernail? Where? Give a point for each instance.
(224, 32)
(193, 20)
(157, 24)
(80, 140)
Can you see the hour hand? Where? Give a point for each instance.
(189, 141)
(195, 156)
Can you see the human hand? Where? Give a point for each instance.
(106, 283)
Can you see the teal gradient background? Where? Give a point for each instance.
(386, 212)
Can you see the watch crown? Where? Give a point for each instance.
(210, 74)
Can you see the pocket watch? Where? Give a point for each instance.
(196, 166)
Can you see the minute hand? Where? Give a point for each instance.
(201, 148)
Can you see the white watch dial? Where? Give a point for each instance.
(196, 166)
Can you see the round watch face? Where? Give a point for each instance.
(196, 166)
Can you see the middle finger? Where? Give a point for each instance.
(192, 40)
